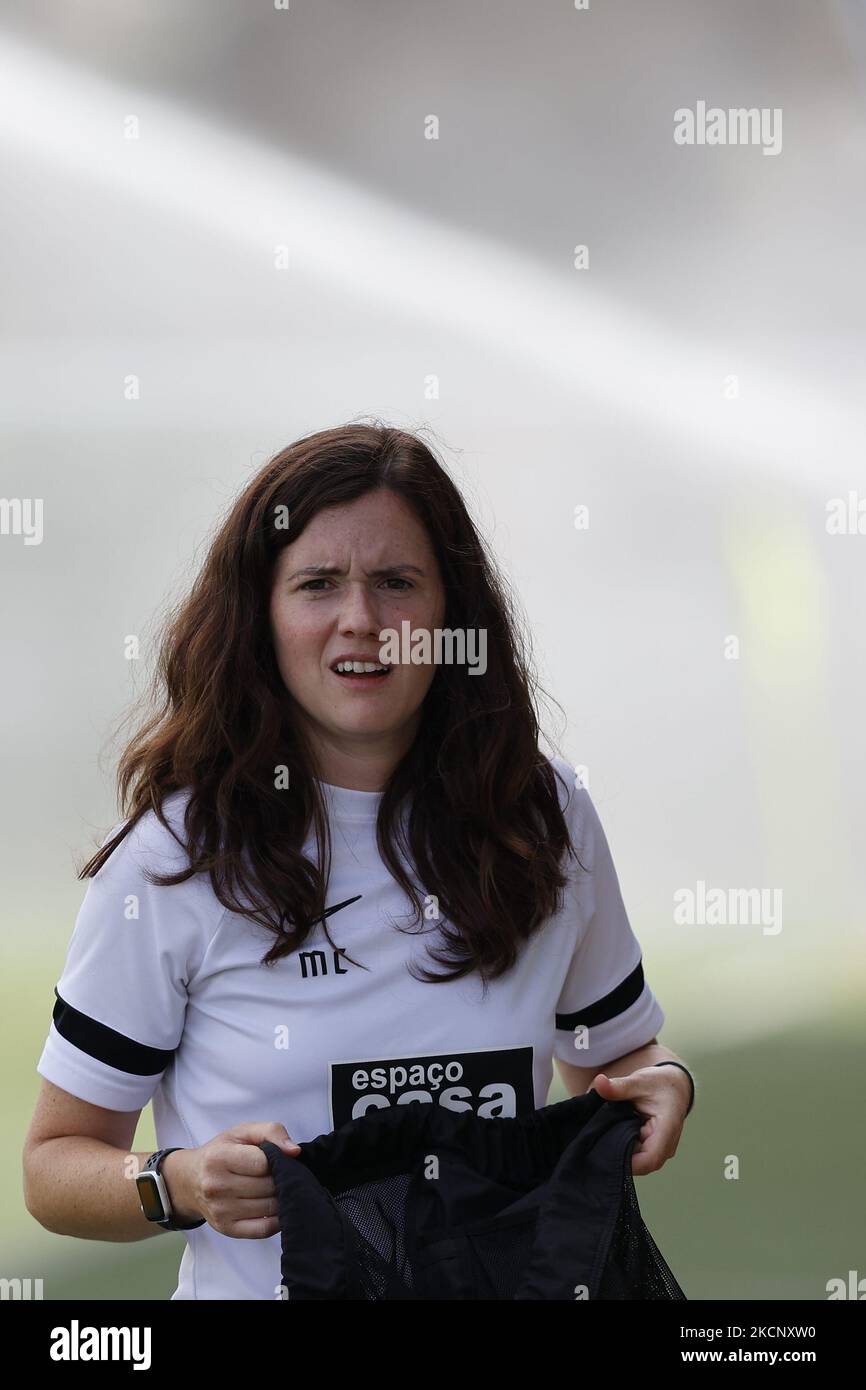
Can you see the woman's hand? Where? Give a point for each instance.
(228, 1181)
(661, 1095)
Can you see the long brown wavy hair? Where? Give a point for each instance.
(484, 829)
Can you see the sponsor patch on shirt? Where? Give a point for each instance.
(495, 1083)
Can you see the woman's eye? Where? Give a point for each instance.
(395, 579)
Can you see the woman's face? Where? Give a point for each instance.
(382, 573)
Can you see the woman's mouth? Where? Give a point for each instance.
(361, 673)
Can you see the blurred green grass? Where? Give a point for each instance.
(788, 1107)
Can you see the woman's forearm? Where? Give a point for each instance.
(78, 1186)
(641, 1057)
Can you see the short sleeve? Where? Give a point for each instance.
(606, 1007)
(121, 999)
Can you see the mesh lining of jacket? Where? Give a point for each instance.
(539, 1206)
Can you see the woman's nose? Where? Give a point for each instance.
(359, 609)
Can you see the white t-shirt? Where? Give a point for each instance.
(172, 1005)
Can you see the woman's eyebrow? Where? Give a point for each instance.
(387, 570)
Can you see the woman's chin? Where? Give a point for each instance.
(373, 722)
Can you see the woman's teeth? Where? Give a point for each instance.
(359, 668)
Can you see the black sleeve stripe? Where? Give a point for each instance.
(103, 1043)
(609, 1006)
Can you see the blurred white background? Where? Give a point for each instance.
(431, 282)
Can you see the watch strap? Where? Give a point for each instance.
(688, 1074)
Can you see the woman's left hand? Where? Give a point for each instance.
(661, 1095)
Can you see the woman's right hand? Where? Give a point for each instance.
(228, 1181)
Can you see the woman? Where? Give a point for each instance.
(447, 949)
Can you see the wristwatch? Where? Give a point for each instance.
(153, 1194)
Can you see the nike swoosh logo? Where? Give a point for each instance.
(339, 906)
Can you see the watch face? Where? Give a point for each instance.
(149, 1196)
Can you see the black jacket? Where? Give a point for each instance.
(421, 1202)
